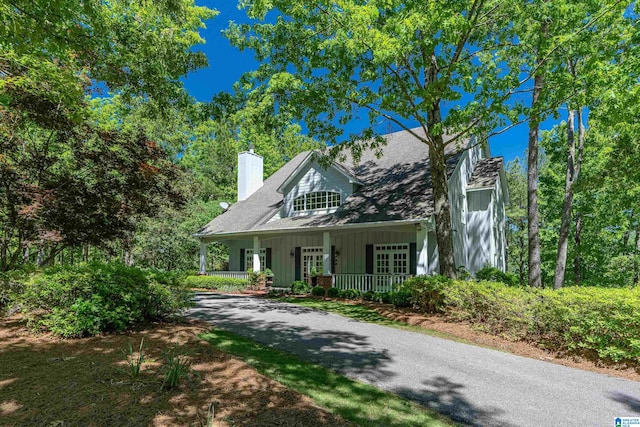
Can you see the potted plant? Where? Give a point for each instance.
(268, 277)
(313, 275)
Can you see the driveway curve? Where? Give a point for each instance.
(472, 385)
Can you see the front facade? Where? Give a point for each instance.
(367, 226)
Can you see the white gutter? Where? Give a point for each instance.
(318, 228)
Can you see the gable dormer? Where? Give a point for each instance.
(313, 190)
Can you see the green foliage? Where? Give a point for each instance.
(93, 298)
(349, 294)
(300, 288)
(318, 291)
(177, 367)
(134, 360)
(333, 292)
(383, 297)
(401, 298)
(368, 296)
(597, 323)
(216, 283)
(427, 292)
(493, 274)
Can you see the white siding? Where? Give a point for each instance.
(351, 248)
(457, 198)
(479, 229)
(314, 178)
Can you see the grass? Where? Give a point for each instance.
(367, 314)
(354, 401)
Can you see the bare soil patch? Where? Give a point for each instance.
(471, 333)
(46, 381)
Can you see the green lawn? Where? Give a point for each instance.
(357, 402)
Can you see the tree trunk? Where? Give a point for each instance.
(574, 163)
(25, 255)
(442, 207)
(40, 260)
(577, 269)
(85, 252)
(535, 274)
(565, 216)
(438, 165)
(521, 261)
(636, 273)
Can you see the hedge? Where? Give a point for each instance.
(598, 323)
(93, 298)
(216, 283)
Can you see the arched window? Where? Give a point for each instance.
(316, 200)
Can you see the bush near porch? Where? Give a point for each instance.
(216, 283)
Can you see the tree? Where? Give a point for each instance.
(66, 178)
(517, 219)
(550, 32)
(431, 63)
(60, 50)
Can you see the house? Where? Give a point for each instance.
(368, 225)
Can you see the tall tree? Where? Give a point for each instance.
(517, 220)
(547, 31)
(396, 61)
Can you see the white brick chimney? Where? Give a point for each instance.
(250, 173)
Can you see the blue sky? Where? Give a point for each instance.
(227, 64)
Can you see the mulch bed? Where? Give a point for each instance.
(46, 381)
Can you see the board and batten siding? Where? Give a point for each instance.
(314, 178)
(351, 248)
(457, 199)
(479, 229)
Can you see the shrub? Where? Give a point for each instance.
(11, 287)
(427, 292)
(226, 284)
(369, 296)
(333, 292)
(383, 297)
(277, 293)
(300, 288)
(92, 298)
(598, 323)
(492, 274)
(401, 298)
(350, 294)
(317, 291)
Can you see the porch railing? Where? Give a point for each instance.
(230, 274)
(369, 282)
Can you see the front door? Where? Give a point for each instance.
(311, 263)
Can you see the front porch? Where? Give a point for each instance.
(368, 258)
(361, 282)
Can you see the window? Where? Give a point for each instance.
(248, 259)
(392, 259)
(316, 200)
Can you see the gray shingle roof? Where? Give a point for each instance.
(485, 173)
(396, 186)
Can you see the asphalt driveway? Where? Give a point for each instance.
(472, 385)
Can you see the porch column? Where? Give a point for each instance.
(326, 254)
(256, 253)
(203, 257)
(422, 249)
